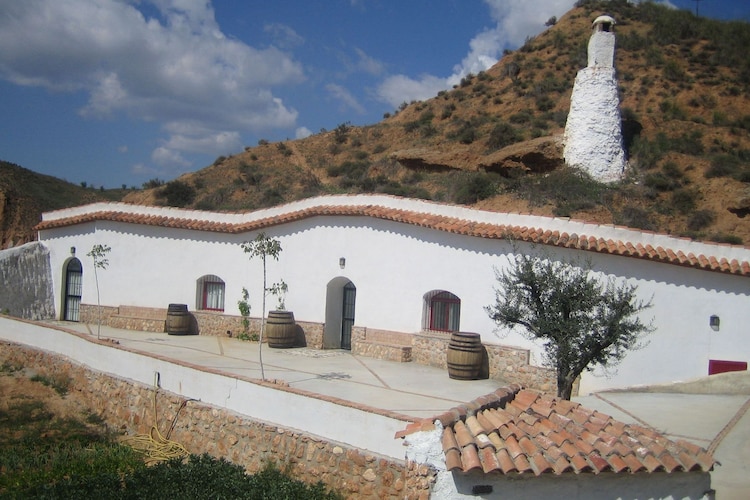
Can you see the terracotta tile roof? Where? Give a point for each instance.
(527, 432)
(440, 222)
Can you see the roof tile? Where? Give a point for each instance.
(713, 262)
(519, 438)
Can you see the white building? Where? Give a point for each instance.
(400, 265)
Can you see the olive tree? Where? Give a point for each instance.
(582, 320)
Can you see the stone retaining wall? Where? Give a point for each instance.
(510, 364)
(506, 363)
(128, 407)
(27, 282)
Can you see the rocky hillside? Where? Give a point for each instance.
(24, 195)
(493, 141)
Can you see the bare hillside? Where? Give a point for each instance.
(493, 141)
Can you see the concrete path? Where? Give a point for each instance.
(712, 413)
(718, 422)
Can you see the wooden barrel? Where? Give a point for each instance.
(178, 319)
(281, 330)
(464, 356)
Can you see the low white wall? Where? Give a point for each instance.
(351, 426)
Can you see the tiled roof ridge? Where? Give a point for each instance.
(527, 432)
(438, 222)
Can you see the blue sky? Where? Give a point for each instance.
(113, 92)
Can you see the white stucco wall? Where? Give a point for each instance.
(393, 265)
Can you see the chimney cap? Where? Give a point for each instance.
(604, 19)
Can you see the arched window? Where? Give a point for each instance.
(442, 311)
(209, 293)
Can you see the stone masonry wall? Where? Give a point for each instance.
(201, 428)
(149, 319)
(506, 363)
(26, 279)
(510, 364)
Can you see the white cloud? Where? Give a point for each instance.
(345, 97)
(175, 68)
(302, 132)
(397, 89)
(166, 157)
(518, 19)
(283, 35)
(515, 20)
(368, 64)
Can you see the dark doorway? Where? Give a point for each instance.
(347, 320)
(73, 290)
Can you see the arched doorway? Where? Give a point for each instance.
(341, 297)
(73, 290)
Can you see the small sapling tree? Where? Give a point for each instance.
(582, 321)
(264, 247)
(99, 255)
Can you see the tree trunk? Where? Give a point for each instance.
(565, 386)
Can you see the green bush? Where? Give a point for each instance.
(501, 135)
(177, 194)
(701, 219)
(200, 477)
(684, 200)
(153, 183)
(731, 239)
(724, 165)
(60, 383)
(473, 187)
(635, 217)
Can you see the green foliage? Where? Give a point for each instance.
(568, 189)
(284, 149)
(474, 187)
(502, 134)
(672, 111)
(341, 132)
(39, 451)
(60, 383)
(684, 200)
(177, 194)
(582, 321)
(673, 71)
(701, 219)
(466, 133)
(730, 239)
(244, 306)
(153, 183)
(634, 217)
(423, 124)
(726, 165)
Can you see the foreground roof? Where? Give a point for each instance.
(551, 231)
(527, 432)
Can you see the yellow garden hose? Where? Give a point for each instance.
(154, 446)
